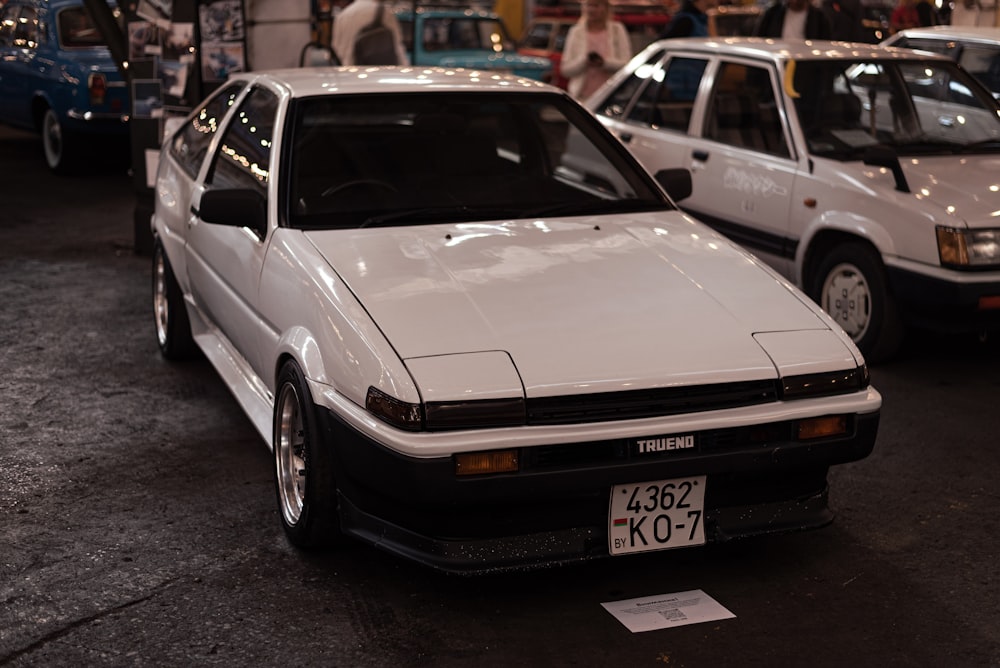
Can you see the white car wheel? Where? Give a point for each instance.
(850, 284)
(847, 297)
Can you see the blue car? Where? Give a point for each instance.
(57, 77)
(473, 39)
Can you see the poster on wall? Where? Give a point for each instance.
(158, 12)
(223, 46)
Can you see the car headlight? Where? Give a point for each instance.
(968, 248)
(446, 415)
(825, 384)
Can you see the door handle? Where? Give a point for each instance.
(700, 155)
(626, 137)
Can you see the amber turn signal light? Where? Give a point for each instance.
(822, 427)
(482, 463)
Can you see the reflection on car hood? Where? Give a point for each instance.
(965, 187)
(589, 304)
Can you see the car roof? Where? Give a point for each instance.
(948, 32)
(783, 50)
(307, 81)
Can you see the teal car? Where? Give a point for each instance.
(473, 39)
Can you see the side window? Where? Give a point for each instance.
(244, 156)
(190, 144)
(743, 110)
(668, 100)
(26, 28)
(617, 102)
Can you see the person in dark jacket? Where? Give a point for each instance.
(844, 17)
(793, 19)
(689, 21)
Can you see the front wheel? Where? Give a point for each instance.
(307, 491)
(851, 285)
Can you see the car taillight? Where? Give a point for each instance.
(98, 88)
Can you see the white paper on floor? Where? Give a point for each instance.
(667, 610)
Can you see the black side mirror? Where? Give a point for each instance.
(881, 155)
(676, 181)
(239, 207)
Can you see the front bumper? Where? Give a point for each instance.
(953, 301)
(555, 510)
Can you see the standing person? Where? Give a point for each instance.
(904, 16)
(793, 19)
(844, 17)
(596, 47)
(356, 18)
(689, 21)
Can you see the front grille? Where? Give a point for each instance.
(606, 406)
(624, 451)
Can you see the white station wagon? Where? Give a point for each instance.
(465, 349)
(869, 176)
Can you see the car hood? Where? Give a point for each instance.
(963, 188)
(578, 304)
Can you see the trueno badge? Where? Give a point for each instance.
(664, 443)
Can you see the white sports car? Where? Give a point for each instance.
(476, 333)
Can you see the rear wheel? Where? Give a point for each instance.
(304, 479)
(851, 285)
(59, 144)
(173, 329)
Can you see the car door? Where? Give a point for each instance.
(743, 169)
(224, 262)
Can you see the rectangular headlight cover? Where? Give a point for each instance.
(968, 248)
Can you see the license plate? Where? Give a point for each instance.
(657, 515)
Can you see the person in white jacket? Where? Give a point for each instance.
(353, 19)
(596, 47)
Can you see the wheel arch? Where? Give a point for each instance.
(827, 234)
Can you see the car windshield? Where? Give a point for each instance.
(406, 159)
(917, 107)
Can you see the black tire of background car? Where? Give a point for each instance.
(885, 331)
(318, 524)
(173, 329)
(59, 145)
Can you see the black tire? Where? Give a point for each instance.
(173, 329)
(303, 466)
(850, 284)
(59, 145)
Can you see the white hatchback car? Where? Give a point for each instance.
(465, 349)
(869, 176)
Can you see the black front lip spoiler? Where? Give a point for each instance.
(418, 508)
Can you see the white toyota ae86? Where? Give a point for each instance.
(476, 333)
